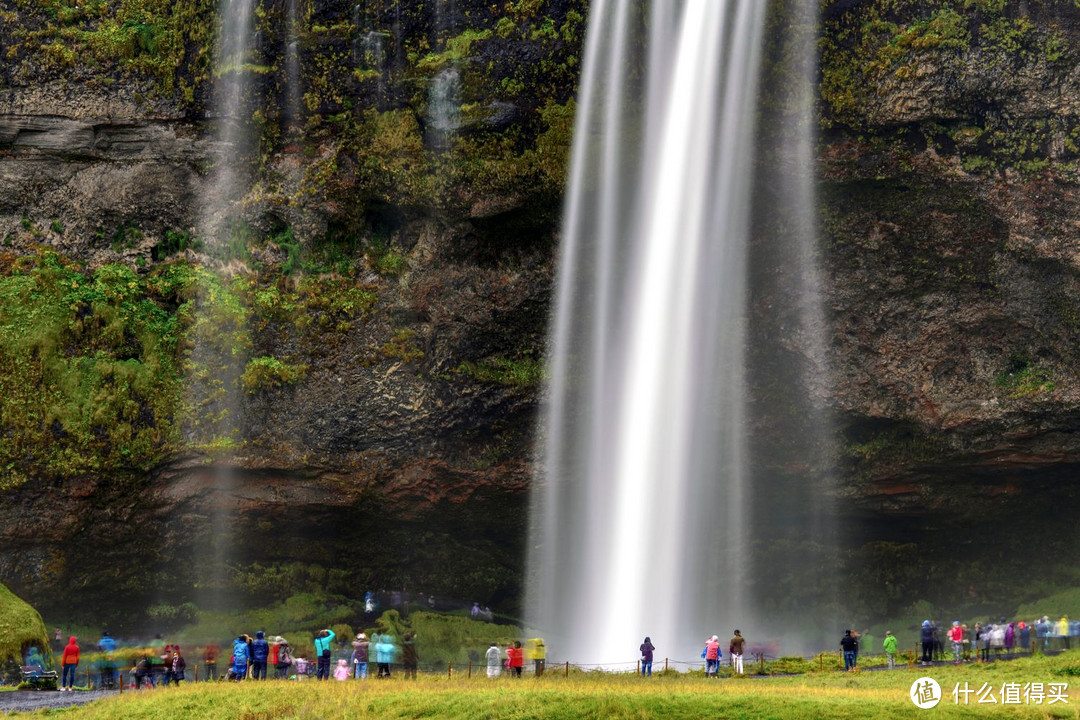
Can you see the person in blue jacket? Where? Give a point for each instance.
(240, 657)
(384, 655)
(260, 650)
(106, 644)
(322, 652)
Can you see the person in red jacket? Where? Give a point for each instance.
(69, 660)
(515, 659)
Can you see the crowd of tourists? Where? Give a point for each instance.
(961, 643)
(159, 664)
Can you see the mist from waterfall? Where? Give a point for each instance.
(293, 108)
(642, 510)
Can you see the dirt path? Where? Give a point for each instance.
(28, 700)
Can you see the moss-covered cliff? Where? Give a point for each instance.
(350, 380)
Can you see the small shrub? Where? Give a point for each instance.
(265, 373)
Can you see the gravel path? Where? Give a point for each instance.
(28, 700)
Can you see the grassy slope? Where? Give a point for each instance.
(20, 625)
(831, 694)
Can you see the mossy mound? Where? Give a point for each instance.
(20, 627)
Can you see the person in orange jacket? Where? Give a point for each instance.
(69, 661)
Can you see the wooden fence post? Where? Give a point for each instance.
(567, 672)
(469, 676)
(665, 664)
(449, 670)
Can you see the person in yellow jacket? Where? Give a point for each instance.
(1063, 630)
(537, 653)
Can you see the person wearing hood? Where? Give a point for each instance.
(1063, 631)
(1023, 632)
(384, 655)
(69, 661)
(106, 644)
(241, 657)
(178, 664)
(494, 668)
(926, 637)
(360, 656)
(997, 638)
(260, 651)
(889, 646)
(322, 653)
(647, 650)
(1010, 637)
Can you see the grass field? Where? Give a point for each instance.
(598, 695)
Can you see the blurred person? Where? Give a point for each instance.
(538, 653)
(360, 656)
(1010, 637)
(275, 648)
(341, 672)
(260, 651)
(106, 644)
(890, 648)
(515, 659)
(69, 661)
(210, 656)
(58, 642)
(475, 612)
(735, 650)
(322, 653)
(1023, 635)
(493, 656)
(143, 673)
(384, 655)
(107, 673)
(409, 658)
(647, 649)
(34, 658)
(997, 638)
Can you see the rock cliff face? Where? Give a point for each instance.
(355, 385)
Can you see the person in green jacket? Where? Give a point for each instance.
(890, 648)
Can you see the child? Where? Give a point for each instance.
(890, 648)
(341, 672)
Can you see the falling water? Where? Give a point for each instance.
(639, 522)
(294, 118)
(230, 112)
(216, 359)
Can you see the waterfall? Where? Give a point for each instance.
(230, 111)
(639, 523)
(293, 111)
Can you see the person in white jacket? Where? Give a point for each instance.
(494, 661)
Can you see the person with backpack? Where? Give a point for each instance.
(711, 653)
(322, 653)
(647, 649)
(260, 651)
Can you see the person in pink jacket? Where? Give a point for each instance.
(712, 657)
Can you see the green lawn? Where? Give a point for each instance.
(596, 695)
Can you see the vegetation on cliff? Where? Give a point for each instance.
(20, 627)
